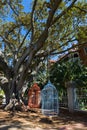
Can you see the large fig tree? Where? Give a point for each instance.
(26, 36)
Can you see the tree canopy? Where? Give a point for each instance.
(26, 38)
(70, 70)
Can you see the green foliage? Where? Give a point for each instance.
(1, 93)
(82, 34)
(69, 71)
(41, 76)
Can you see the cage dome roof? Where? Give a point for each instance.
(50, 86)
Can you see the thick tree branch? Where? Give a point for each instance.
(63, 12)
(70, 48)
(52, 12)
(5, 68)
(32, 19)
(40, 42)
(54, 52)
(32, 50)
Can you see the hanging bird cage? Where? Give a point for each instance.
(49, 96)
(34, 96)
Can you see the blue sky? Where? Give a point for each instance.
(27, 5)
(27, 8)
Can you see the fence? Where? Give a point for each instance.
(73, 98)
(63, 99)
(82, 98)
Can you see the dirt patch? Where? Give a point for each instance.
(35, 120)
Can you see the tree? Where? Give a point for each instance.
(26, 37)
(66, 72)
(70, 70)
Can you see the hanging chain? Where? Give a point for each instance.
(48, 64)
